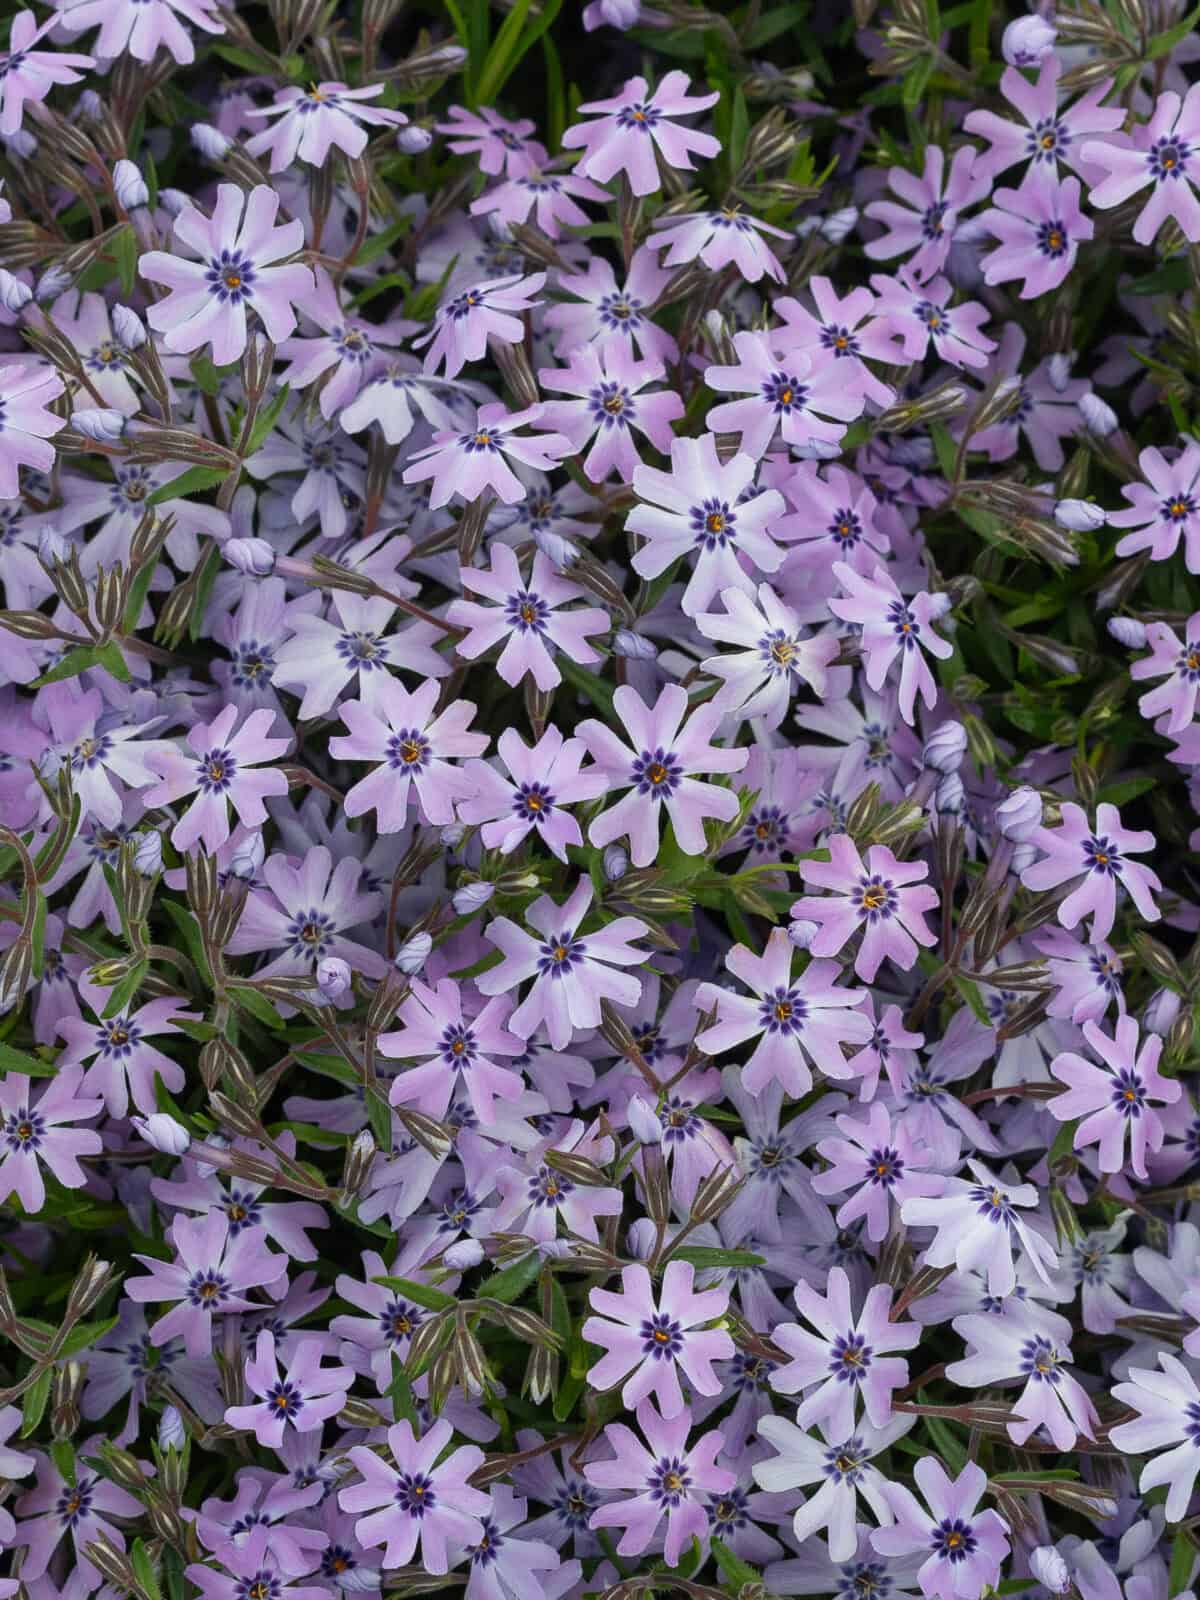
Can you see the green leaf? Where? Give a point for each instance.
(511, 43)
(404, 1407)
(703, 1255)
(33, 1406)
(125, 249)
(194, 481)
(1161, 44)
(144, 1571)
(733, 1569)
(379, 1115)
(510, 1284)
(85, 1334)
(17, 1061)
(41, 905)
(124, 991)
(189, 932)
(945, 449)
(421, 1294)
(264, 422)
(382, 241)
(1183, 1559)
(82, 659)
(62, 1453)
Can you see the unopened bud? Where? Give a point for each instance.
(633, 646)
(839, 224)
(1027, 40)
(1099, 418)
(172, 1435)
(801, 933)
(950, 796)
(1020, 814)
(53, 282)
(1047, 1566)
(128, 327)
(462, 1255)
(247, 859)
(100, 423)
(129, 186)
(472, 897)
(333, 978)
(148, 854)
(1128, 631)
(413, 954)
(945, 748)
(414, 140)
(14, 295)
(816, 450)
(557, 549)
(211, 142)
(1058, 370)
(253, 557)
(644, 1121)
(161, 1132)
(616, 862)
(1079, 516)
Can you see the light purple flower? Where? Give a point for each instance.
(141, 26)
(1003, 1348)
(215, 1265)
(125, 1064)
(884, 898)
(658, 768)
(893, 626)
(667, 1478)
(1040, 228)
(316, 120)
(1049, 135)
(544, 782)
(445, 1043)
(467, 462)
(1087, 975)
(545, 192)
(421, 1499)
(491, 309)
(301, 1398)
(796, 1020)
(1116, 1101)
(634, 127)
(308, 904)
(220, 771)
(969, 1547)
(28, 75)
(848, 1359)
(1179, 663)
(1168, 1407)
(528, 616)
(607, 313)
(239, 270)
(1094, 860)
(26, 390)
(53, 1508)
(414, 750)
(978, 1226)
(920, 316)
(253, 1563)
(923, 227)
(572, 972)
(1165, 509)
(1164, 152)
(880, 1163)
(843, 1471)
(610, 384)
(776, 656)
(496, 144)
(795, 395)
(647, 1340)
(32, 1134)
(729, 237)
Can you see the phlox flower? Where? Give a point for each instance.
(923, 227)
(52, 1508)
(1168, 1407)
(1163, 510)
(505, 1563)
(1162, 153)
(316, 120)
(635, 127)
(572, 972)
(759, 679)
(1115, 1101)
(333, 468)
(491, 309)
(843, 1471)
(307, 905)
(979, 1224)
(544, 781)
(707, 508)
(27, 75)
(419, 1499)
(443, 1042)
(301, 1398)
(249, 1207)
(659, 767)
(795, 395)
(547, 193)
(139, 27)
(528, 615)
(850, 328)
(215, 1264)
(609, 384)
(846, 1360)
(34, 1134)
(893, 625)
(919, 315)
(1179, 663)
(1087, 976)
(668, 1478)
(125, 1063)
(836, 517)
(496, 144)
(219, 771)
(1040, 228)
(967, 1547)
(796, 1020)
(647, 1340)
(239, 270)
(342, 355)
(369, 1342)
(1045, 409)
(535, 1195)
(880, 1163)
(323, 654)
(884, 897)
(605, 313)
(1049, 134)
(1011, 1348)
(413, 749)
(26, 390)
(252, 1564)
(98, 750)
(1094, 860)
(396, 396)
(720, 239)
(468, 462)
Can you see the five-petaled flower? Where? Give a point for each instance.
(1093, 860)
(1114, 1101)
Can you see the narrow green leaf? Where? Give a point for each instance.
(421, 1294)
(194, 481)
(17, 1061)
(125, 250)
(510, 1284)
(703, 1255)
(264, 422)
(124, 991)
(34, 1405)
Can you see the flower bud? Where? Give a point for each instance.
(1019, 815)
(414, 140)
(148, 853)
(53, 282)
(640, 1237)
(163, 1133)
(14, 295)
(816, 450)
(1027, 40)
(616, 862)
(1058, 370)
(945, 747)
(1024, 855)
(472, 897)
(100, 423)
(1099, 418)
(556, 549)
(462, 1255)
(801, 933)
(129, 186)
(633, 646)
(172, 1435)
(839, 224)
(1079, 516)
(452, 835)
(248, 857)
(128, 327)
(254, 557)
(413, 954)
(644, 1121)
(1048, 1567)
(333, 978)
(211, 142)
(1128, 631)
(174, 201)
(52, 547)
(1161, 1010)
(49, 765)
(950, 796)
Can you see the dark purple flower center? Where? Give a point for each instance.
(361, 650)
(311, 934)
(875, 898)
(408, 751)
(1040, 1360)
(243, 1209)
(117, 1038)
(662, 1337)
(1053, 240)
(885, 1167)
(839, 339)
(1046, 140)
(526, 612)
(207, 1289)
(414, 1493)
(1128, 1093)
(215, 772)
(640, 116)
(612, 405)
(844, 1462)
(230, 277)
(549, 1188)
(656, 773)
(953, 1539)
(904, 625)
(458, 1046)
(533, 802)
(993, 1204)
(1102, 855)
(713, 523)
(1167, 158)
(283, 1399)
(75, 1502)
(850, 1358)
(785, 393)
(783, 1011)
(670, 1481)
(560, 955)
(23, 1131)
